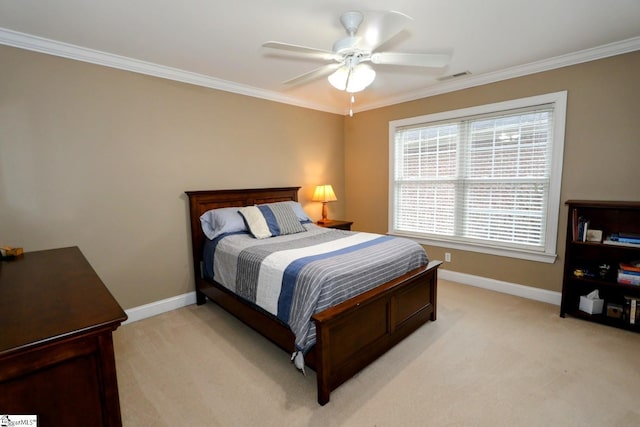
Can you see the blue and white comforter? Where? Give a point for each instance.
(297, 275)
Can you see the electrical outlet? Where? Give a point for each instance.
(447, 257)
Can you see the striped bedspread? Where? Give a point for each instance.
(297, 275)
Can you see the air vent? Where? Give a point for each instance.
(455, 76)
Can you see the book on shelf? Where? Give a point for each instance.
(580, 227)
(610, 241)
(631, 266)
(628, 235)
(628, 238)
(629, 273)
(624, 279)
(632, 310)
(632, 273)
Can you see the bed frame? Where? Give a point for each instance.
(350, 335)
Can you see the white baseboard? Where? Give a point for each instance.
(159, 307)
(528, 292)
(173, 303)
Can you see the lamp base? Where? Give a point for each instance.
(324, 221)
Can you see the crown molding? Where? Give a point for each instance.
(70, 51)
(586, 55)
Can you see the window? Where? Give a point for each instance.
(485, 179)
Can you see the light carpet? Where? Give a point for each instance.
(490, 359)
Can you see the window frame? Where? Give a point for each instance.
(548, 253)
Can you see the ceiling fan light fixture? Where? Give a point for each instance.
(338, 79)
(352, 79)
(347, 72)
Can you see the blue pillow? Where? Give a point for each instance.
(297, 208)
(222, 220)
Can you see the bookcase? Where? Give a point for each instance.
(593, 260)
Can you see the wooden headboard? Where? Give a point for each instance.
(203, 201)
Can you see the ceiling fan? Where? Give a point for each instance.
(349, 70)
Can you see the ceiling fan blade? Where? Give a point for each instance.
(435, 60)
(301, 51)
(380, 27)
(307, 77)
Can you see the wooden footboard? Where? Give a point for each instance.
(353, 334)
(349, 336)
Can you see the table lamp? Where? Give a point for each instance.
(324, 193)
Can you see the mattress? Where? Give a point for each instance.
(294, 276)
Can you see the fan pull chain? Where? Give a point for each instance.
(353, 99)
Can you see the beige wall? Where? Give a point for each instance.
(601, 158)
(100, 158)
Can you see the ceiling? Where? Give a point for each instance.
(218, 44)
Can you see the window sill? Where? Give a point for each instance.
(490, 250)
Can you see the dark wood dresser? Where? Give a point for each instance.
(56, 347)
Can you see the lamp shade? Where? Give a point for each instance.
(324, 193)
(352, 79)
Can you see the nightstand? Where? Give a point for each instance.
(337, 224)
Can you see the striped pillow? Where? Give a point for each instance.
(282, 218)
(273, 219)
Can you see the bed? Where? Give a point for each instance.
(349, 335)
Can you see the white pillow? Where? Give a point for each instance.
(255, 222)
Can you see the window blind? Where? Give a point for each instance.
(483, 178)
